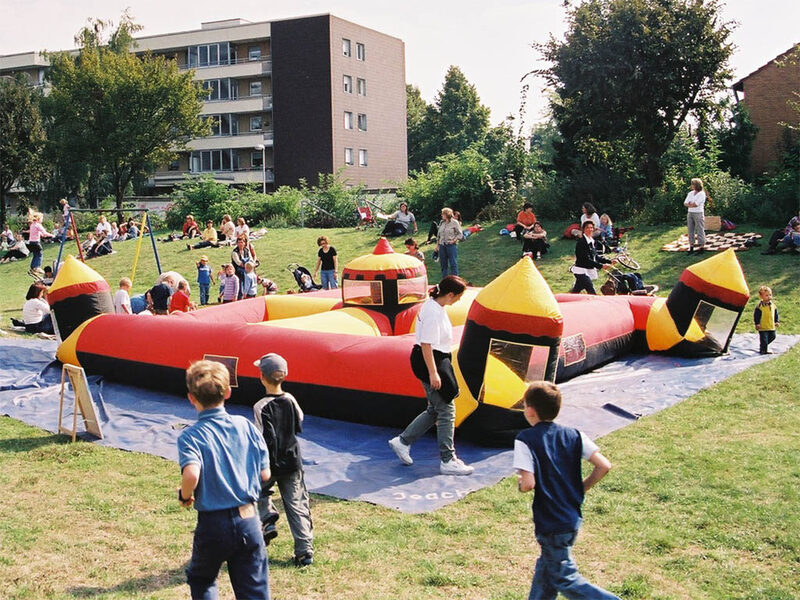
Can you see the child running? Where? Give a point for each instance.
(223, 463)
(548, 457)
(279, 418)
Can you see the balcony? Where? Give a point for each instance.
(245, 139)
(240, 68)
(237, 177)
(242, 104)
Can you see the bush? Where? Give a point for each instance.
(337, 201)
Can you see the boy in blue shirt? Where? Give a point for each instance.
(223, 461)
(204, 279)
(548, 457)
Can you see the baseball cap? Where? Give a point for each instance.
(269, 363)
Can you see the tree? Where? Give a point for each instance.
(22, 137)
(627, 76)
(454, 121)
(120, 114)
(735, 137)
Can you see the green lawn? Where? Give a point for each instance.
(702, 501)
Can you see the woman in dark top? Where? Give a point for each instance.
(242, 254)
(327, 263)
(587, 261)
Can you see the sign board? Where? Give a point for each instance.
(83, 403)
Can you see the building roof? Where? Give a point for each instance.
(739, 85)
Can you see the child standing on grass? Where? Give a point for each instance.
(223, 463)
(204, 279)
(548, 457)
(122, 299)
(279, 418)
(250, 281)
(766, 319)
(229, 285)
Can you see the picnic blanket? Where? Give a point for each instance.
(715, 242)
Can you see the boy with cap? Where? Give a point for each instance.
(279, 418)
(223, 463)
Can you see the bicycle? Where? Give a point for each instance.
(623, 257)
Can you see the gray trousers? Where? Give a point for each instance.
(696, 222)
(296, 506)
(439, 413)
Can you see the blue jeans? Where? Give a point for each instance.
(765, 338)
(328, 279)
(224, 536)
(36, 254)
(557, 572)
(204, 287)
(448, 259)
(440, 413)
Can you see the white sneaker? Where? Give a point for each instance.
(402, 450)
(455, 466)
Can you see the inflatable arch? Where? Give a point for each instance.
(348, 350)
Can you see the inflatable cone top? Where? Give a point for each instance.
(701, 312)
(387, 270)
(515, 320)
(77, 294)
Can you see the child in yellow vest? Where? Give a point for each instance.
(766, 319)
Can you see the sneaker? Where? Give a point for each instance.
(270, 533)
(304, 561)
(402, 450)
(538, 255)
(455, 466)
(188, 246)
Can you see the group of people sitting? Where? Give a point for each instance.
(786, 239)
(531, 233)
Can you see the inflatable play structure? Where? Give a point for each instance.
(348, 350)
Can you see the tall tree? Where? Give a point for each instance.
(120, 113)
(22, 137)
(627, 76)
(416, 111)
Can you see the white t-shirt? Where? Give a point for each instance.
(698, 198)
(121, 298)
(594, 219)
(34, 310)
(523, 460)
(103, 227)
(241, 229)
(434, 327)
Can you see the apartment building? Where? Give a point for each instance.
(287, 100)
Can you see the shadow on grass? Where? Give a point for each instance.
(28, 444)
(145, 584)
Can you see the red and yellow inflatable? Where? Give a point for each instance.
(348, 349)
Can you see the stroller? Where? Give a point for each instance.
(303, 278)
(626, 284)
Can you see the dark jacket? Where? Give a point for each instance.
(586, 255)
(444, 366)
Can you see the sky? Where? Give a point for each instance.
(490, 41)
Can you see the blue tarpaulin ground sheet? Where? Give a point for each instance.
(352, 461)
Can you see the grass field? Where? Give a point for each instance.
(702, 502)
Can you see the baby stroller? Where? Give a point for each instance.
(303, 278)
(626, 284)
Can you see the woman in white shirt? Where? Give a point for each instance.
(695, 217)
(36, 310)
(431, 363)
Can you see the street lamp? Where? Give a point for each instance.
(263, 166)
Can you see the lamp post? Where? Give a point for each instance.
(263, 166)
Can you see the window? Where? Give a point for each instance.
(362, 87)
(257, 159)
(362, 158)
(348, 156)
(175, 165)
(515, 365)
(212, 160)
(362, 122)
(255, 88)
(360, 51)
(346, 47)
(255, 123)
(348, 84)
(210, 55)
(223, 125)
(412, 290)
(362, 292)
(348, 120)
(220, 89)
(254, 53)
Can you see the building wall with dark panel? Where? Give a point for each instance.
(301, 99)
(383, 70)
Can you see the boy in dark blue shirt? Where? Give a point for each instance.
(548, 459)
(223, 461)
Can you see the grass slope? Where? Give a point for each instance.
(702, 502)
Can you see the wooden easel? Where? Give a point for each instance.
(83, 402)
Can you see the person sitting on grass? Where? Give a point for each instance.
(36, 311)
(209, 238)
(780, 234)
(399, 222)
(547, 457)
(17, 251)
(412, 249)
(525, 221)
(224, 462)
(88, 244)
(534, 242)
